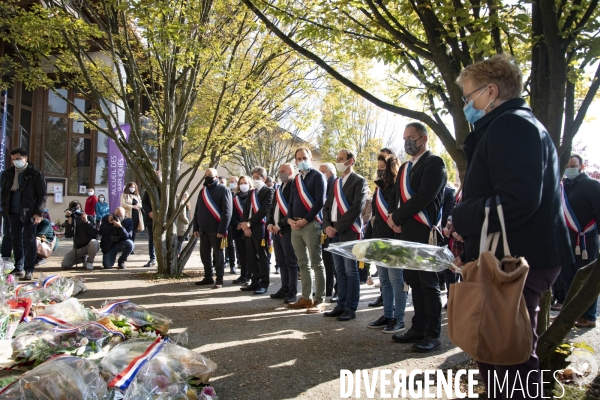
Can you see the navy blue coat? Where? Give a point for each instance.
(511, 154)
(204, 221)
(109, 231)
(283, 222)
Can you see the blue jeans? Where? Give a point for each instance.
(6, 237)
(125, 248)
(348, 281)
(151, 251)
(392, 291)
(24, 244)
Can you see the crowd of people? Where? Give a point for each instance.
(550, 221)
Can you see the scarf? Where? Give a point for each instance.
(15, 185)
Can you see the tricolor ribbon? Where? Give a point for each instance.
(125, 377)
(255, 207)
(111, 306)
(51, 320)
(22, 285)
(239, 206)
(49, 280)
(343, 206)
(573, 225)
(306, 198)
(210, 204)
(381, 204)
(283, 204)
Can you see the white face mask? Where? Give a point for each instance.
(244, 187)
(258, 184)
(341, 167)
(101, 199)
(90, 193)
(132, 190)
(19, 163)
(232, 186)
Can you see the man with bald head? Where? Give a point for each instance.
(116, 231)
(281, 232)
(211, 221)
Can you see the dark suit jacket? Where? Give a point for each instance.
(204, 221)
(380, 228)
(236, 218)
(265, 199)
(355, 191)
(511, 154)
(449, 203)
(283, 222)
(108, 230)
(427, 180)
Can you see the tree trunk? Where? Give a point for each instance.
(584, 289)
(543, 320)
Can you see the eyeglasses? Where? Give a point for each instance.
(466, 97)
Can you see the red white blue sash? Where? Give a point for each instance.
(238, 205)
(210, 204)
(111, 306)
(283, 205)
(406, 192)
(255, 205)
(125, 377)
(343, 206)
(49, 280)
(381, 204)
(574, 225)
(306, 198)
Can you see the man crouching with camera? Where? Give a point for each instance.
(84, 234)
(116, 233)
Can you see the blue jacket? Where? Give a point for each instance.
(102, 210)
(204, 221)
(315, 185)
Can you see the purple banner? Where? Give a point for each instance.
(3, 142)
(116, 170)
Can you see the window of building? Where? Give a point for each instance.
(19, 120)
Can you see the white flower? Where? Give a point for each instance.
(360, 250)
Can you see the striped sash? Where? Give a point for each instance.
(574, 225)
(306, 198)
(343, 206)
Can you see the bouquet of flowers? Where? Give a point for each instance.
(70, 311)
(144, 320)
(391, 253)
(60, 378)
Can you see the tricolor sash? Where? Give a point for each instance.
(406, 192)
(210, 204)
(49, 280)
(381, 204)
(111, 306)
(574, 225)
(343, 206)
(237, 203)
(255, 205)
(306, 198)
(283, 204)
(125, 377)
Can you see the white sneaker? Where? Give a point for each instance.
(89, 266)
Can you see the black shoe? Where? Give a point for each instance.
(40, 261)
(427, 344)
(151, 263)
(291, 298)
(394, 326)
(347, 316)
(250, 288)
(409, 337)
(206, 281)
(121, 265)
(336, 312)
(239, 281)
(132, 252)
(28, 276)
(377, 303)
(280, 294)
(261, 290)
(446, 306)
(380, 323)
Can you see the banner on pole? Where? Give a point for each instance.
(116, 170)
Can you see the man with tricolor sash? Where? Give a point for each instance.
(258, 238)
(419, 193)
(305, 218)
(343, 223)
(281, 233)
(211, 220)
(581, 206)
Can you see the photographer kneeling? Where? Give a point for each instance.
(116, 233)
(84, 234)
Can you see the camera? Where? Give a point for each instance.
(75, 212)
(116, 217)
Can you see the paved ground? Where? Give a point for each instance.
(263, 350)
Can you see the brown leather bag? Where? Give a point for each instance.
(44, 249)
(487, 313)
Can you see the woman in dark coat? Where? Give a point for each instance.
(511, 155)
(239, 201)
(392, 280)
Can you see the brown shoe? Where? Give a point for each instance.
(556, 307)
(317, 308)
(302, 303)
(584, 323)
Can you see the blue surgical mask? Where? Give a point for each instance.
(304, 166)
(471, 113)
(572, 173)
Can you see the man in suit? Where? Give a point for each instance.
(343, 223)
(582, 209)
(254, 225)
(281, 233)
(211, 220)
(305, 218)
(328, 170)
(420, 190)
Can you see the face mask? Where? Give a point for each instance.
(20, 163)
(132, 190)
(284, 177)
(244, 187)
(304, 166)
(380, 174)
(471, 113)
(209, 180)
(101, 199)
(258, 184)
(232, 186)
(90, 193)
(411, 148)
(572, 173)
(341, 167)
